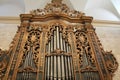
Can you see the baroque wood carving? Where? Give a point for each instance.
(56, 43)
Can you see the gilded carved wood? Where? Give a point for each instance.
(56, 43)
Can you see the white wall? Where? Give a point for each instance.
(7, 32)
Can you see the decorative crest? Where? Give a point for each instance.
(56, 1)
(57, 8)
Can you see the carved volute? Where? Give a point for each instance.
(56, 43)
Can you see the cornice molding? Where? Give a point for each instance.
(106, 23)
(9, 20)
(100, 23)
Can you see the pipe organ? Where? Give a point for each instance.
(56, 43)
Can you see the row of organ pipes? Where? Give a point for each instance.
(28, 62)
(58, 66)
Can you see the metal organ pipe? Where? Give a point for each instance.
(48, 65)
(66, 68)
(51, 44)
(69, 67)
(68, 59)
(71, 64)
(58, 57)
(55, 72)
(46, 75)
(67, 47)
(55, 47)
(58, 35)
(51, 59)
(62, 59)
(64, 47)
(55, 39)
(63, 69)
(61, 41)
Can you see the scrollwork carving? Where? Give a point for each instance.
(84, 49)
(32, 45)
(111, 62)
(3, 62)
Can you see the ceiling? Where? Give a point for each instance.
(99, 9)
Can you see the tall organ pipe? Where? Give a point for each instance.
(46, 76)
(67, 63)
(48, 62)
(58, 47)
(62, 59)
(51, 59)
(55, 43)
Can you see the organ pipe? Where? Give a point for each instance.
(63, 68)
(58, 35)
(69, 67)
(51, 47)
(64, 47)
(51, 70)
(66, 68)
(46, 67)
(51, 59)
(55, 39)
(55, 72)
(59, 67)
(61, 42)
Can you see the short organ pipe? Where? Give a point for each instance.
(48, 67)
(66, 68)
(55, 39)
(64, 47)
(48, 48)
(61, 42)
(63, 68)
(51, 70)
(55, 72)
(59, 67)
(69, 67)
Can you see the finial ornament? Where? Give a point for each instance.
(56, 1)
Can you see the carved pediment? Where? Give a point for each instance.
(57, 8)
